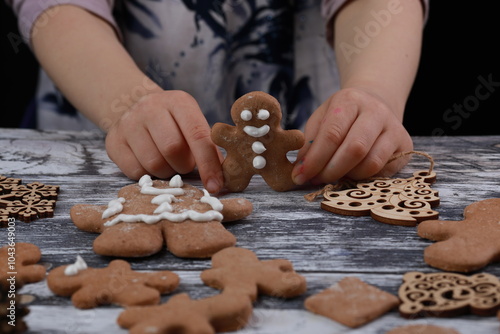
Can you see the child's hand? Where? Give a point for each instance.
(163, 134)
(353, 134)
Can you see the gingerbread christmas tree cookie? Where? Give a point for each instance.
(465, 245)
(257, 144)
(147, 215)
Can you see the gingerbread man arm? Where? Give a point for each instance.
(221, 132)
(438, 230)
(88, 217)
(295, 139)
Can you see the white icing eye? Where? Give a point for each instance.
(246, 115)
(263, 114)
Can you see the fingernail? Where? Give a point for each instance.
(213, 185)
(299, 179)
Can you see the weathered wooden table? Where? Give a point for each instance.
(322, 246)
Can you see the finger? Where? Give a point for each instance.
(196, 130)
(358, 144)
(331, 131)
(147, 153)
(121, 154)
(170, 142)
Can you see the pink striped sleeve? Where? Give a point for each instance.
(28, 11)
(330, 7)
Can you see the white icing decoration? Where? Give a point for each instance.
(259, 162)
(173, 217)
(212, 201)
(256, 132)
(114, 206)
(263, 114)
(164, 211)
(258, 147)
(164, 207)
(147, 188)
(176, 182)
(76, 267)
(246, 115)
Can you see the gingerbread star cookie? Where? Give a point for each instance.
(257, 144)
(465, 245)
(351, 302)
(20, 261)
(149, 214)
(115, 284)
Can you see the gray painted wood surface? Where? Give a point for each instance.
(322, 246)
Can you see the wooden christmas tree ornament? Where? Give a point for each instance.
(404, 202)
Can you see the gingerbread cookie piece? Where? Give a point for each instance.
(20, 262)
(466, 245)
(422, 329)
(239, 269)
(448, 294)
(228, 311)
(149, 214)
(351, 302)
(257, 144)
(115, 284)
(392, 201)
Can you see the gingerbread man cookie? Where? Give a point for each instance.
(239, 269)
(466, 245)
(149, 214)
(257, 144)
(19, 261)
(115, 284)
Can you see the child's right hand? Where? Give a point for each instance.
(163, 134)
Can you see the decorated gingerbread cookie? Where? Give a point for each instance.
(149, 214)
(257, 144)
(115, 284)
(239, 269)
(448, 294)
(351, 302)
(20, 261)
(466, 245)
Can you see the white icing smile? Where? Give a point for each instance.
(256, 132)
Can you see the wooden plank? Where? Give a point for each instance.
(322, 246)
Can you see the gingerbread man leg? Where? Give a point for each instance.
(281, 181)
(236, 175)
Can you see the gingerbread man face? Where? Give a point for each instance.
(257, 144)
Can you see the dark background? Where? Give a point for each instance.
(460, 46)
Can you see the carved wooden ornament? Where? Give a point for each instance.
(404, 202)
(448, 294)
